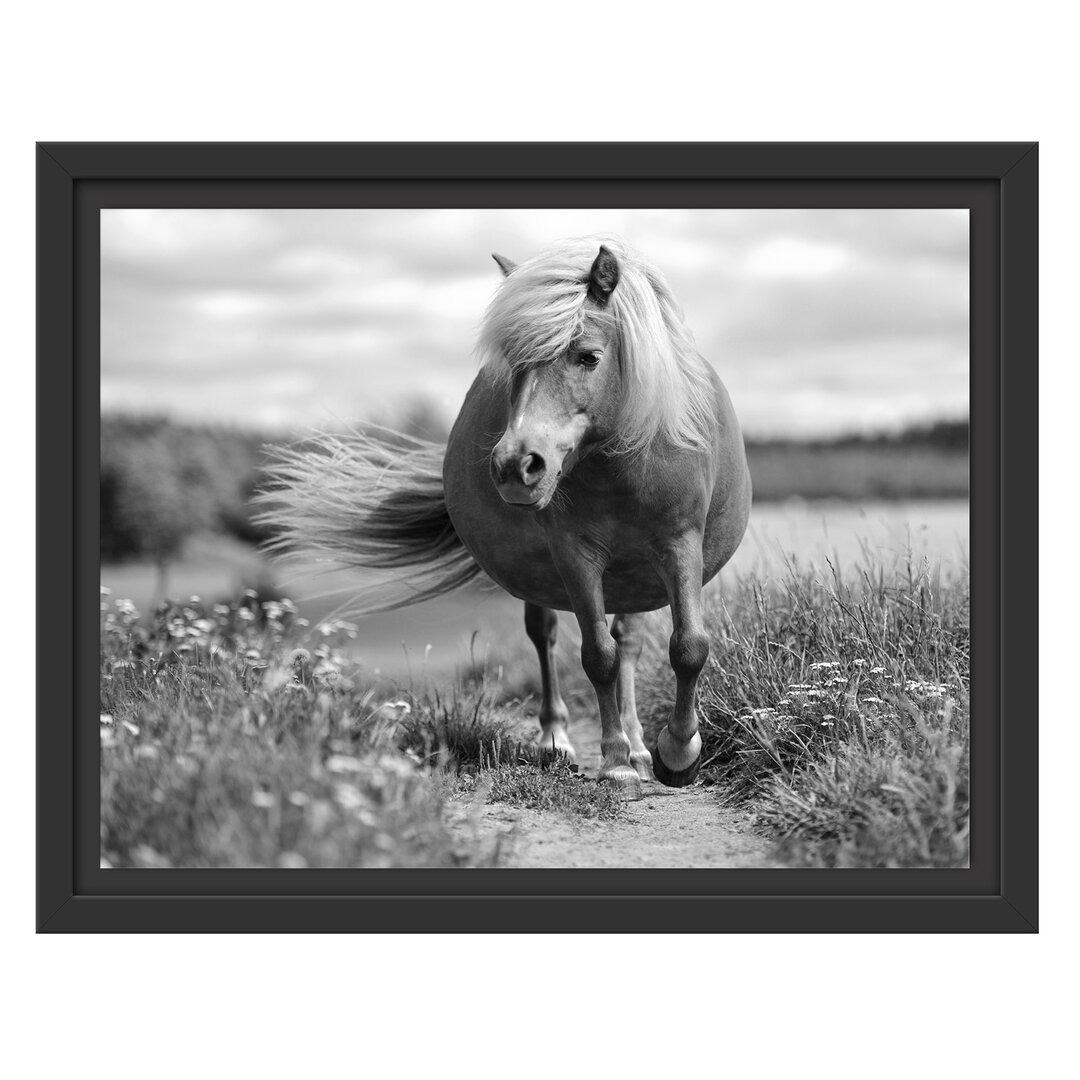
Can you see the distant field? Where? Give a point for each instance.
(856, 472)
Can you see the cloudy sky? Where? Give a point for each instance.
(818, 321)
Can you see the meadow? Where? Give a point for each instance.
(241, 728)
(234, 733)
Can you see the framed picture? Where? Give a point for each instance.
(650, 576)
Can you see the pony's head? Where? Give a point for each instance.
(591, 348)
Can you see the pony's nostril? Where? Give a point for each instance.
(532, 468)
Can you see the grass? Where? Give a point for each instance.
(555, 786)
(834, 706)
(838, 710)
(225, 744)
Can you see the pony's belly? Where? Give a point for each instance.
(513, 551)
(511, 547)
(527, 571)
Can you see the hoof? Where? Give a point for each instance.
(675, 778)
(642, 764)
(556, 741)
(626, 781)
(683, 776)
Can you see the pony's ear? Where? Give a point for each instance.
(505, 265)
(603, 277)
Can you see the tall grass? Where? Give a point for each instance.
(223, 743)
(838, 709)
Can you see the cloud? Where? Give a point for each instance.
(818, 320)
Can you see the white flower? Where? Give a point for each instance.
(341, 763)
(348, 796)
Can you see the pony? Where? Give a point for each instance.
(596, 466)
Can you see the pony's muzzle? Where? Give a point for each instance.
(517, 475)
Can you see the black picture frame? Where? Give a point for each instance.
(997, 181)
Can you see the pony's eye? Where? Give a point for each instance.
(589, 359)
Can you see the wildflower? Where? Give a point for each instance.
(263, 799)
(342, 763)
(298, 798)
(347, 796)
(106, 718)
(127, 612)
(395, 765)
(104, 591)
(824, 664)
(877, 671)
(925, 688)
(859, 663)
(872, 700)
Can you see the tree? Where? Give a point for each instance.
(154, 509)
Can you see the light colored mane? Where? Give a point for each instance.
(540, 309)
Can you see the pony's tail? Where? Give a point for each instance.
(372, 501)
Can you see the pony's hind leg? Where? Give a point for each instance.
(600, 659)
(628, 632)
(542, 626)
(677, 757)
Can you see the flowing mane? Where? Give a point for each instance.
(540, 309)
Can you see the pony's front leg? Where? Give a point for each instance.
(629, 632)
(677, 757)
(600, 659)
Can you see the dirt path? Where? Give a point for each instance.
(668, 827)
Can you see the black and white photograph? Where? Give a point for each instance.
(542, 536)
(534, 538)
